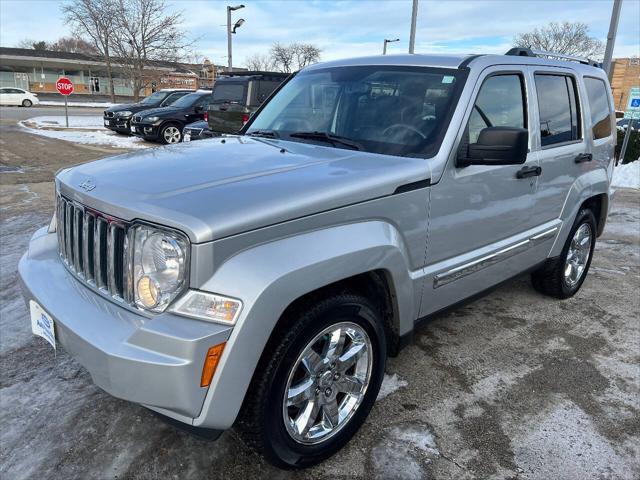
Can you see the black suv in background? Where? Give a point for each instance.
(118, 117)
(236, 96)
(165, 124)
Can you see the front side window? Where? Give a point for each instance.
(559, 118)
(154, 98)
(500, 103)
(381, 109)
(171, 98)
(599, 106)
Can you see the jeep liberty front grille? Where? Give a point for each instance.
(95, 247)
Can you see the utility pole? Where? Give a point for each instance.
(611, 36)
(412, 35)
(384, 47)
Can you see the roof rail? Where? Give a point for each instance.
(527, 52)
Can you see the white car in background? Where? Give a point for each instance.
(17, 96)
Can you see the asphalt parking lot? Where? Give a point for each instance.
(514, 385)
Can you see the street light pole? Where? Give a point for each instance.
(611, 36)
(412, 35)
(384, 47)
(229, 32)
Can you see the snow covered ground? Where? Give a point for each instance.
(85, 130)
(627, 175)
(59, 103)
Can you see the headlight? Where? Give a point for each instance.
(209, 307)
(125, 113)
(152, 119)
(159, 267)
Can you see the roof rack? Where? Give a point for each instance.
(527, 52)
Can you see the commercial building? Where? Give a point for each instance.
(625, 74)
(38, 70)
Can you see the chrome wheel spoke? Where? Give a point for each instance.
(578, 255)
(320, 398)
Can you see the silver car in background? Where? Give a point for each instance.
(262, 280)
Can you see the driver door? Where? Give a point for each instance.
(478, 210)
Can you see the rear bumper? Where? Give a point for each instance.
(156, 362)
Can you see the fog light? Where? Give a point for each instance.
(210, 364)
(208, 306)
(148, 291)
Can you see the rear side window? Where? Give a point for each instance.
(228, 92)
(500, 103)
(599, 106)
(559, 115)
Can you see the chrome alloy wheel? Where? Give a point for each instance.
(327, 383)
(578, 255)
(171, 134)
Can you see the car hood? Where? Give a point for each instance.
(134, 107)
(220, 187)
(158, 111)
(199, 124)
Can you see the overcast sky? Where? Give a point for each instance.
(353, 28)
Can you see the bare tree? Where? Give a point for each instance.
(295, 56)
(571, 38)
(73, 45)
(95, 21)
(260, 62)
(30, 43)
(146, 33)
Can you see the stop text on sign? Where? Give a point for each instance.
(64, 86)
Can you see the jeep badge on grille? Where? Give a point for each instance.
(87, 185)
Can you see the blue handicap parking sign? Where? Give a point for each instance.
(635, 103)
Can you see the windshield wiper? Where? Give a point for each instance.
(263, 133)
(328, 137)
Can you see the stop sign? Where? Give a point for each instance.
(64, 86)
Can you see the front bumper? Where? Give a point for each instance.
(145, 130)
(156, 362)
(117, 124)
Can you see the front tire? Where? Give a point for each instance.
(27, 103)
(315, 384)
(171, 133)
(562, 277)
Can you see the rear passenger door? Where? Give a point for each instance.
(563, 151)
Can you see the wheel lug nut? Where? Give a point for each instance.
(317, 391)
(336, 376)
(327, 392)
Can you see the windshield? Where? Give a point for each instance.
(154, 98)
(228, 92)
(393, 110)
(187, 100)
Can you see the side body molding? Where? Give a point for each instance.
(269, 277)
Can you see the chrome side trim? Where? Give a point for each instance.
(488, 260)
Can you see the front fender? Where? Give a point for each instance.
(269, 277)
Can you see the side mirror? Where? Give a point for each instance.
(498, 146)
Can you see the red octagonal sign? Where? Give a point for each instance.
(64, 86)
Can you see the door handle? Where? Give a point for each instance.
(525, 172)
(583, 157)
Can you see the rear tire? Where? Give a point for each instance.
(273, 420)
(563, 276)
(27, 103)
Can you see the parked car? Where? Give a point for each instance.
(236, 97)
(262, 280)
(118, 117)
(624, 124)
(197, 130)
(165, 124)
(17, 96)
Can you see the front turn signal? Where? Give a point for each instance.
(210, 364)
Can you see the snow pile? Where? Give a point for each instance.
(75, 122)
(84, 130)
(390, 383)
(60, 103)
(627, 175)
(417, 437)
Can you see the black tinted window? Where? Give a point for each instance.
(228, 92)
(559, 120)
(599, 106)
(172, 98)
(499, 104)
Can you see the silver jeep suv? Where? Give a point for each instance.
(262, 280)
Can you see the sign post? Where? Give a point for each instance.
(65, 88)
(632, 113)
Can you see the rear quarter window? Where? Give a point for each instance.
(599, 106)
